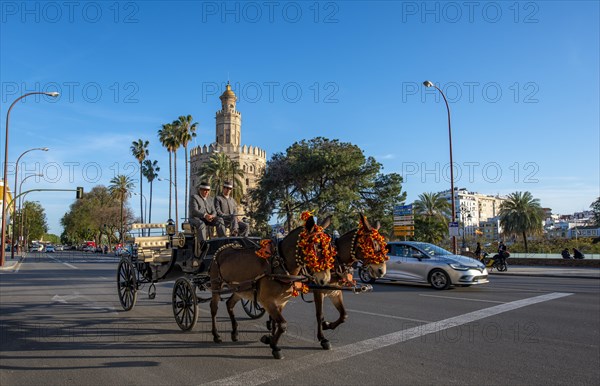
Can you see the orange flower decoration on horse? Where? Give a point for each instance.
(309, 242)
(266, 249)
(367, 240)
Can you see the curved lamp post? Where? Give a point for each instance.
(20, 203)
(429, 84)
(174, 187)
(16, 192)
(145, 210)
(53, 94)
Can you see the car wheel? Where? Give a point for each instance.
(439, 279)
(364, 275)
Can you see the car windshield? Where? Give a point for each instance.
(433, 250)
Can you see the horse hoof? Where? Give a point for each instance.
(325, 344)
(266, 339)
(326, 325)
(217, 339)
(234, 337)
(277, 353)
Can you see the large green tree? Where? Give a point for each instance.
(186, 130)
(34, 221)
(520, 214)
(139, 149)
(221, 168)
(93, 216)
(120, 188)
(329, 177)
(432, 212)
(150, 170)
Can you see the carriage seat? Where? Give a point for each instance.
(154, 249)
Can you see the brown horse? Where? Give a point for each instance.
(270, 283)
(349, 252)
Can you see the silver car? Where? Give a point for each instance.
(413, 261)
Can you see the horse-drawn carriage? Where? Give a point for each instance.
(263, 274)
(174, 256)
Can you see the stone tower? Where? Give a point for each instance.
(252, 160)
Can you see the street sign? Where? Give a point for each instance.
(403, 210)
(404, 227)
(453, 229)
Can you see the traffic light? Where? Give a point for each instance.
(79, 194)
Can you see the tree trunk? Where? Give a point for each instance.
(186, 182)
(141, 196)
(150, 205)
(175, 188)
(525, 242)
(170, 185)
(121, 235)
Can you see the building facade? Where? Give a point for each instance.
(228, 140)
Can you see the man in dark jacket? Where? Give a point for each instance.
(227, 209)
(203, 213)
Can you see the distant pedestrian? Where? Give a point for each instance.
(577, 254)
(478, 251)
(565, 254)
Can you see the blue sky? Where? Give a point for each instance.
(521, 79)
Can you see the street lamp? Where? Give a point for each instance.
(145, 210)
(465, 215)
(21, 202)
(174, 187)
(53, 94)
(16, 192)
(429, 84)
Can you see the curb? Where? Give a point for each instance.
(14, 266)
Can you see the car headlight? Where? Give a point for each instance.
(458, 267)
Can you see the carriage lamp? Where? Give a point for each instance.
(170, 228)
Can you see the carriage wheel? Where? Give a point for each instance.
(185, 304)
(253, 309)
(126, 284)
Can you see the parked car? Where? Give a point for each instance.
(60, 247)
(36, 248)
(50, 248)
(419, 262)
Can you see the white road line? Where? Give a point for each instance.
(459, 298)
(389, 316)
(62, 262)
(279, 369)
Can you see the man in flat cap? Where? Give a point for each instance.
(203, 213)
(227, 209)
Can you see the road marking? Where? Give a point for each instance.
(459, 298)
(276, 370)
(389, 316)
(62, 262)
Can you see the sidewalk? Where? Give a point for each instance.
(11, 264)
(545, 271)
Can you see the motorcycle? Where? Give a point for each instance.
(497, 261)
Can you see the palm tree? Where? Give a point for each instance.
(433, 205)
(432, 212)
(221, 168)
(186, 131)
(521, 213)
(139, 149)
(166, 137)
(150, 170)
(120, 187)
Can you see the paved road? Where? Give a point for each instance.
(61, 323)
